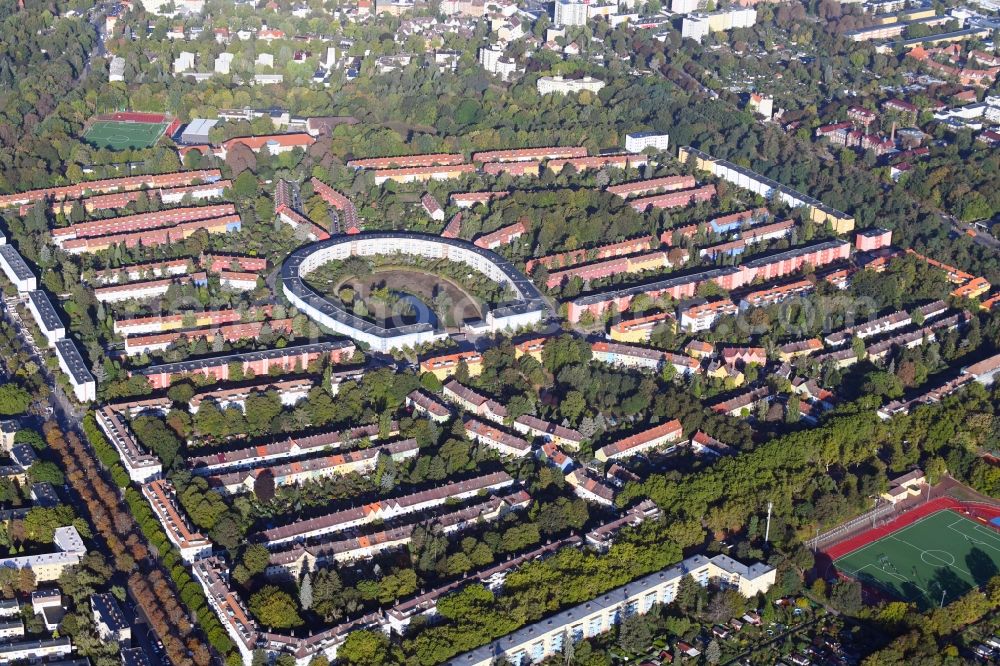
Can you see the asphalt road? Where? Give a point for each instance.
(69, 419)
(978, 236)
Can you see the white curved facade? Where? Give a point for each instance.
(528, 309)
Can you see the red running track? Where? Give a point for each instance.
(136, 117)
(982, 512)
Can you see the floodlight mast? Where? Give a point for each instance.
(767, 530)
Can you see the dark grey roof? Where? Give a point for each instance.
(214, 361)
(571, 615)
(50, 317)
(71, 356)
(942, 36)
(794, 252)
(107, 608)
(135, 657)
(658, 285)
(770, 182)
(292, 280)
(16, 263)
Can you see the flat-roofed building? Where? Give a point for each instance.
(35, 650)
(16, 269)
(46, 317)
(768, 188)
(558, 85)
(133, 657)
(75, 368)
(69, 550)
(536, 642)
(636, 142)
(109, 619)
(197, 131)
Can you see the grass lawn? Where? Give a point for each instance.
(118, 135)
(943, 554)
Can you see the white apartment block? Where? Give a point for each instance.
(268, 79)
(224, 63)
(684, 6)
(46, 316)
(72, 364)
(116, 70)
(11, 629)
(35, 650)
(183, 62)
(570, 13)
(560, 86)
(16, 269)
(49, 566)
(636, 142)
(697, 26)
(495, 62)
(535, 642)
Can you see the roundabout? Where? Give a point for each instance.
(526, 309)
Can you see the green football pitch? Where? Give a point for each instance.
(941, 556)
(118, 135)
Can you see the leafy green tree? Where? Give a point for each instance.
(157, 437)
(846, 596)
(366, 648)
(256, 558)
(573, 406)
(13, 399)
(30, 437)
(261, 410)
(635, 633)
(275, 608)
(43, 471)
(245, 186)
